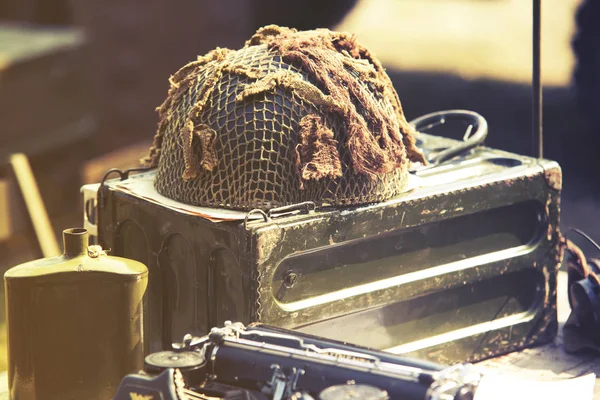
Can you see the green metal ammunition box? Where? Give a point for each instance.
(461, 268)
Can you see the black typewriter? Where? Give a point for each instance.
(459, 268)
(261, 362)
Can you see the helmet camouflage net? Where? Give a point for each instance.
(291, 117)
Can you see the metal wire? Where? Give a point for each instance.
(583, 234)
(538, 142)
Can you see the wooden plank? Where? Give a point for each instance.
(35, 205)
(5, 217)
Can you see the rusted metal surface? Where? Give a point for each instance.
(554, 178)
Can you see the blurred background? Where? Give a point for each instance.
(80, 81)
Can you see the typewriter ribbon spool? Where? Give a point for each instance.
(74, 322)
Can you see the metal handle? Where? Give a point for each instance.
(476, 122)
(123, 175)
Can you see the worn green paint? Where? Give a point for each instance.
(74, 323)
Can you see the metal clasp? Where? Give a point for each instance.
(306, 207)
